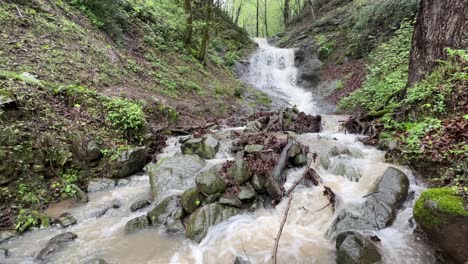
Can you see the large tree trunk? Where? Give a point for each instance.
(202, 55)
(258, 18)
(189, 26)
(440, 24)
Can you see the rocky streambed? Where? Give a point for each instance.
(219, 196)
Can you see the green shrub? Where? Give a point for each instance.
(125, 116)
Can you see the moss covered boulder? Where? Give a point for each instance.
(205, 147)
(136, 224)
(201, 220)
(239, 171)
(441, 214)
(191, 199)
(210, 183)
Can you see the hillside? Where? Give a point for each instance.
(101, 77)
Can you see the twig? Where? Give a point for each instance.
(19, 11)
(277, 239)
(367, 195)
(245, 252)
(301, 178)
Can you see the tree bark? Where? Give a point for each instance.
(286, 12)
(266, 19)
(202, 55)
(189, 26)
(258, 17)
(440, 24)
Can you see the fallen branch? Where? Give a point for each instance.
(278, 236)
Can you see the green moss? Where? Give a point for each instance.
(446, 204)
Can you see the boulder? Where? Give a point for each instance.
(177, 172)
(136, 224)
(379, 209)
(100, 184)
(55, 244)
(129, 162)
(299, 160)
(139, 205)
(202, 219)
(246, 193)
(191, 199)
(254, 148)
(65, 220)
(444, 218)
(239, 171)
(7, 234)
(205, 147)
(102, 210)
(353, 248)
(230, 201)
(210, 183)
(258, 183)
(168, 208)
(80, 195)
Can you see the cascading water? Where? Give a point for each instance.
(350, 173)
(272, 71)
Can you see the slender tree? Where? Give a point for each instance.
(265, 19)
(202, 55)
(258, 18)
(189, 26)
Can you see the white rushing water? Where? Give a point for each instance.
(250, 234)
(272, 71)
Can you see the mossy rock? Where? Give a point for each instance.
(441, 214)
(205, 147)
(210, 183)
(353, 248)
(136, 224)
(191, 199)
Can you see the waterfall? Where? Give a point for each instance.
(272, 70)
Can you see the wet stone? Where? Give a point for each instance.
(136, 224)
(7, 234)
(65, 220)
(139, 205)
(100, 184)
(95, 261)
(246, 193)
(230, 201)
(56, 244)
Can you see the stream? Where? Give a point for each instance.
(249, 234)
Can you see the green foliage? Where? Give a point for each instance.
(326, 46)
(28, 197)
(125, 116)
(28, 219)
(432, 94)
(105, 14)
(388, 73)
(70, 177)
(376, 19)
(414, 133)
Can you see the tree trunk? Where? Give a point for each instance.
(189, 26)
(266, 20)
(286, 12)
(202, 55)
(258, 12)
(440, 24)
